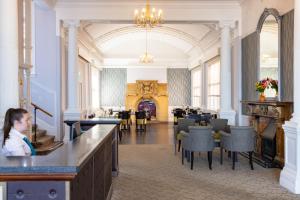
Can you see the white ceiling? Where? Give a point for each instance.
(170, 41)
(189, 29)
(145, 0)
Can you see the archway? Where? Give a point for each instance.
(149, 106)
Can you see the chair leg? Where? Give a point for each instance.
(209, 156)
(251, 160)
(221, 155)
(179, 144)
(192, 159)
(188, 155)
(120, 135)
(182, 157)
(229, 154)
(233, 160)
(175, 146)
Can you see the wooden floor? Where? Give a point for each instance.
(156, 133)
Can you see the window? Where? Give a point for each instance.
(95, 76)
(213, 84)
(27, 34)
(197, 87)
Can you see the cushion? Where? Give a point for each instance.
(180, 135)
(140, 121)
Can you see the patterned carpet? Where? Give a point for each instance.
(154, 172)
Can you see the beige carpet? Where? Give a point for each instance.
(154, 172)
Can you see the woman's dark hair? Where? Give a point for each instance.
(11, 116)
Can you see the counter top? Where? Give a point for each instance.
(69, 158)
(93, 121)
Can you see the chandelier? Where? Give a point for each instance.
(148, 17)
(146, 57)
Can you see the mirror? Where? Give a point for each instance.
(269, 51)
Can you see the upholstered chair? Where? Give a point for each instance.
(205, 119)
(240, 139)
(141, 120)
(219, 125)
(196, 117)
(125, 116)
(178, 114)
(198, 139)
(182, 127)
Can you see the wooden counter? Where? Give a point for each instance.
(81, 169)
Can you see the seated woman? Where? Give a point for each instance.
(15, 143)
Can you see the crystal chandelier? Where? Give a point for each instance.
(146, 57)
(148, 17)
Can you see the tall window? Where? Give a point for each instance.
(213, 84)
(197, 87)
(95, 76)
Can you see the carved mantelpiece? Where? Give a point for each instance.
(264, 113)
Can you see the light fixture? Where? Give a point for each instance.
(148, 17)
(146, 57)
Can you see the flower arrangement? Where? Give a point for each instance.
(262, 85)
(266, 83)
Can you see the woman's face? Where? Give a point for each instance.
(24, 123)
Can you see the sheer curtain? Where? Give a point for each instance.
(197, 87)
(213, 84)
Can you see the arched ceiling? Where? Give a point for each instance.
(186, 36)
(170, 41)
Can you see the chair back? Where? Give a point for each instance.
(179, 113)
(206, 117)
(199, 139)
(219, 124)
(125, 114)
(183, 124)
(196, 117)
(76, 130)
(140, 115)
(242, 138)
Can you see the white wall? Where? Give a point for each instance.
(46, 82)
(134, 74)
(252, 10)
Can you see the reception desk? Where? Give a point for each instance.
(80, 169)
(88, 123)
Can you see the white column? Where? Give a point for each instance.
(290, 175)
(226, 111)
(9, 64)
(73, 110)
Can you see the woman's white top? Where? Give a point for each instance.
(15, 145)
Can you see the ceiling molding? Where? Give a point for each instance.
(178, 34)
(122, 11)
(138, 3)
(125, 62)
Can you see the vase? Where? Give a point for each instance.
(262, 97)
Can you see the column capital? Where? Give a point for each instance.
(227, 24)
(71, 23)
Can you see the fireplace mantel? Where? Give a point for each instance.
(264, 113)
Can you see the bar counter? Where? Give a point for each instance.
(80, 169)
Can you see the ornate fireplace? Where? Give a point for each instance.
(267, 119)
(148, 90)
